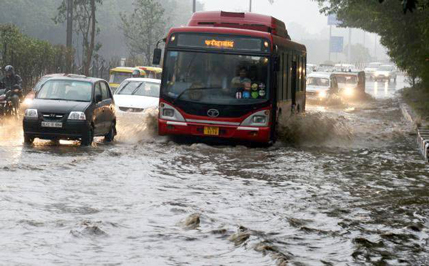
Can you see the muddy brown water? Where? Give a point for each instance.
(348, 188)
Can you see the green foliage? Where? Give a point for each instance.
(406, 36)
(144, 27)
(30, 57)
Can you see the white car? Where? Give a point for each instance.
(318, 85)
(385, 72)
(371, 68)
(135, 95)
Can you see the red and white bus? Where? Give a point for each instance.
(230, 75)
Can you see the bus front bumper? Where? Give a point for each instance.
(253, 134)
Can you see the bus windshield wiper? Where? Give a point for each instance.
(193, 89)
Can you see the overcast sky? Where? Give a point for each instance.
(303, 12)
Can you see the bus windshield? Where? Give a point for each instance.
(214, 78)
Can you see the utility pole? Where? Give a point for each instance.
(194, 6)
(330, 39)
(69, 41)
(375, 46)
(350, 47)
(250, 6)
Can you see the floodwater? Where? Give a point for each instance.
(348, 188)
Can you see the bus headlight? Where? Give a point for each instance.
(168, 112)
(258, 119)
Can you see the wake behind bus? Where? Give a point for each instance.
(230, 75)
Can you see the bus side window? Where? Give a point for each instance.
(285, 76)
(279, 80)
(304, 72)
(301, 71)
(289, 74)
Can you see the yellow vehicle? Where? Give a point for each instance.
(152, 72)
(119, 74)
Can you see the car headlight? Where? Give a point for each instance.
(348, 91)
(77, 116)
(323, 94)
(27, 101)
(31, 113)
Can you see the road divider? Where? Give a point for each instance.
(422, 129)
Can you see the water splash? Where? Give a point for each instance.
(138, 128)
(313, 129)
(11, 130)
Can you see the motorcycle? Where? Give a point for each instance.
(6, 105)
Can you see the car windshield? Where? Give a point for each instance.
(347, 80)
(118, 77)
(313, 81)
(67, 90)
(139, 88)
(386, 68)
(214, 78)
(40, 83)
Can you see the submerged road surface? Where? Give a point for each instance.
(349, 188)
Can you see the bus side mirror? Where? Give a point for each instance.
(276, 64)
(157, 56)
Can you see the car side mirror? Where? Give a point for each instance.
(157, 53)
(98, 98)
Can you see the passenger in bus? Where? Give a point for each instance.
(241, 82)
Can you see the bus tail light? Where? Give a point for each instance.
(258, 119)
(168, 112)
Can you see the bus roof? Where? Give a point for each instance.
(249, 21)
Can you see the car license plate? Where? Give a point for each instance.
(52, 124)
(211, 131)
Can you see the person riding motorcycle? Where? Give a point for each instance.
(13, 84)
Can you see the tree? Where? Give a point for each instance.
(84, 18)
(144, 27)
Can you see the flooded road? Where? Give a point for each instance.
(350, 190)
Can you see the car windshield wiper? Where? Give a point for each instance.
(194, 89)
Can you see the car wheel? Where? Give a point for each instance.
(88, 138)
(111, 135)
(28, 139)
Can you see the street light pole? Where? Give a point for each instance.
(194, 6)
(250, 6)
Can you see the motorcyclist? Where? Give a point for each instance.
(13, 84)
